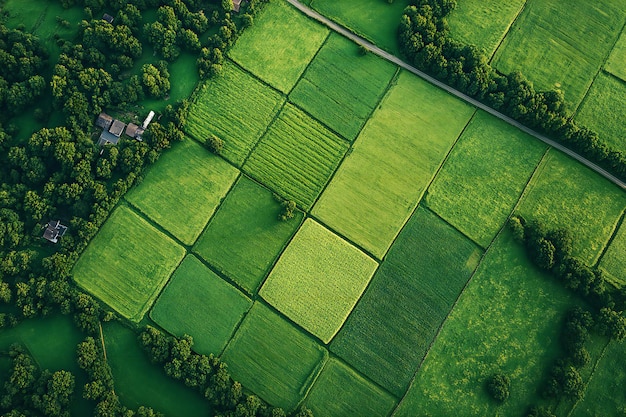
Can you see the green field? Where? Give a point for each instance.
(568, 195)
(296, 157)
(183, 188)
(603, 110)
(127, 263)
(274, 359)
(484, 177)
(279, 46)
(341, 392)
(395, 322)
(562, 45)
(245, 236)
(616, 62)
(398, 152)
(613, 261)
(341, 87)
(506, 320)
(318, 280)
(237, 108)
(199, 303)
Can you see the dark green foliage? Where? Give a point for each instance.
(214, 144)
(535, 411)
(498, 387)
(156, 79)
(288, 210)
(612, 324)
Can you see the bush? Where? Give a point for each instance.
(214, 144)
(289, 207)
(498, 387)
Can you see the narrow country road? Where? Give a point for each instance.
(392, 58)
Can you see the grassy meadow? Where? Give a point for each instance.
(616, 62)
(613, 261)
(318, 280)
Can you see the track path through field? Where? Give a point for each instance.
(392, 58)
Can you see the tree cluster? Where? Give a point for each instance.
(499, 386)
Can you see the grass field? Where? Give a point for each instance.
(279, 46)
(341, 392)
(562, 46)
(399, 150)
(183, 188)
(603, 110)
(506, 320)
(393, 325)
(484, 177)
(566, 194)
(245, 236)
(237, 108)
(341, 87)
(616, 62)
(199, 303)
(127, 263)
(274, 359)
(296, 157)
(613, 260)
(318, 280)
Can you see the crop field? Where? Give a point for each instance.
(396, 155)
(341, 87)
(199, 303)
(341, 392)
(183, 188)
(484, 177)
(616, 62)
(127, 263)
(560, 46)
(235, 107)
(395, 322)
(274, 359)
(279, 46)
(613, 260)
(318, 280)
(567, 194)
(296, 157)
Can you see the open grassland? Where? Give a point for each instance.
(613, 261)
(296, 157)
(318, 280)
(199, 303)
(127, 263)
(393, 325)
(561, 45)
(279, 46)
(568, 195)
(616, 62)
(341, 87)
(273, 358)
(341, 392)
(603, 110)
(506, 320)
(183, 188)
(484, 177)
(237, 108)
(245, 236)
(398, 152)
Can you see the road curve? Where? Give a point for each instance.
(392, 58)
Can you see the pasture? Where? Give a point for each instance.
(562, 46)
(199, 303)
(318, 280)
(393, 325)
(280, 45)
(183, 188)
(484, 176)
(235, 107)
(613, 261)
(396, 155)
(245, 236)
(296, 157)
(616, 62)
(341, 87)
(127, 263)
(274, 359)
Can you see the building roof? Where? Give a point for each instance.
(148, 119)
(237, 5)
(54, 230)
(104, 121)
(107, 18)
(131, 130)
(108, 137)
(117, 128)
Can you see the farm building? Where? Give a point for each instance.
(148, 120)
(134, 131)
(107, 18)
(111, 129)
(54, 231)
(237, 5)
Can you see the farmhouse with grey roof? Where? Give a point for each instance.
(54, 231)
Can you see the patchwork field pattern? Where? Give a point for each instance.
(318, 280)
(613, 261)
(616, 63)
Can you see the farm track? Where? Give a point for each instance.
(394, 59)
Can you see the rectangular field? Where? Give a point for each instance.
(613, 261)
(296, 157)
(183, 188)
(274, 359)
(341, 87)
(616, 62)
(393, 160)
(396, 320)
(318, 280)
(235, 107)
(127, 263)
(245, 236)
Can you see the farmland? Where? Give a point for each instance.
(318, 280)
(613, 260)
(616, 62)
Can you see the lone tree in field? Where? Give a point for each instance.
(289, 207)
(498, 387)
(214, 144)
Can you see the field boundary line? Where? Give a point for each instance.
(507, 30)
(308, 64)
(618, 225)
